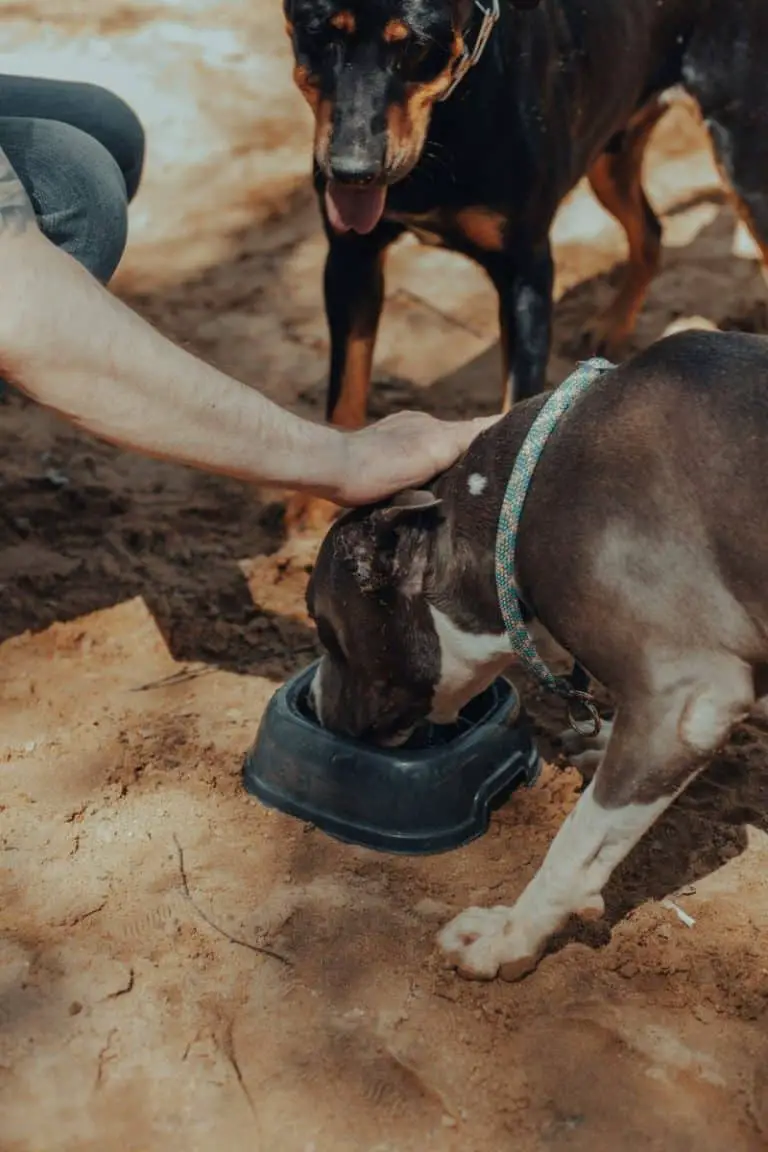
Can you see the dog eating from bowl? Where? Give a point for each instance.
(642, 552)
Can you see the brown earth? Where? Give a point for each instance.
(180, 969)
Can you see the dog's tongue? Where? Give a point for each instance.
(353, 209)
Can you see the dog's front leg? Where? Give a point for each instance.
(485, 942)
(523, 280)
(354, 295)
(656, 747)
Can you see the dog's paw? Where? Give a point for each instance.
(482, 943)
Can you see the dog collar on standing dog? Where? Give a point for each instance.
(468, 59)
(524, 648)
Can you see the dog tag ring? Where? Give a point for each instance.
(590, 727)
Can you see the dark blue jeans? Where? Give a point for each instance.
(79, 152)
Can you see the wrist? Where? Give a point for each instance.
(320, 463)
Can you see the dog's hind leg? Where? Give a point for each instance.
(660, 740)
(616, 180)
(724, 70)
(743, 163)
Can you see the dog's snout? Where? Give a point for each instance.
(354, 170)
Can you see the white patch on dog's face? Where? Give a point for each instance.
(477, 484)
(316, 693)
(469, 662)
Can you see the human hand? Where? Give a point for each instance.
(402, 451)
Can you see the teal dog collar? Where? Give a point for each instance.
(528, 457)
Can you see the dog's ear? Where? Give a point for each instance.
(407, 504)
(388, 549)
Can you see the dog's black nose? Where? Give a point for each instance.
(351, 170)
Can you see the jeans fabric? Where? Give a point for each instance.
(79, 152)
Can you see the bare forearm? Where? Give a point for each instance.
(76, 349)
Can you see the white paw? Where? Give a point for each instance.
(482, 943)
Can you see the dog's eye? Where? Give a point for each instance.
(318, 32)
(312, 28)
(410, 56)
(418, 62)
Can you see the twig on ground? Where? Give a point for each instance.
(181, 677)
(212, 924)
(228, 1047)
(103, 1057)
(128, 987)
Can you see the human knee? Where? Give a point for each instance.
(120, 131)
(79, 195)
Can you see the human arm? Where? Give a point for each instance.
(76, 349)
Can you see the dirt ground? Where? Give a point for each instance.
(181, 969)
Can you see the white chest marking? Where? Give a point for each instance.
(316, 693)
(477, 484)
(469, 662)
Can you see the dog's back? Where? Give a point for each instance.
(658, 481)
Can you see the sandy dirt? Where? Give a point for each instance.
(180, 969)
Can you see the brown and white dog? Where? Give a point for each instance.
(643, 551)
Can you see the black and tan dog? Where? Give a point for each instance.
(642, 550)
(478, 159)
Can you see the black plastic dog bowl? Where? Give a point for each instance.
(433, 794)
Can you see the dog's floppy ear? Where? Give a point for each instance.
(388, 549)
(405, 505)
